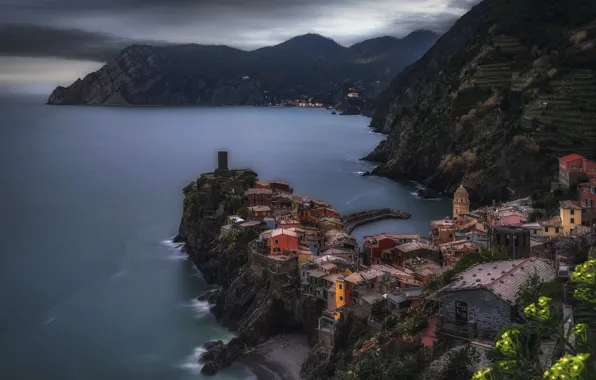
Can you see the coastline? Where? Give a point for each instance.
(280, 358)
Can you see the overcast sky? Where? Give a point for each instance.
(53, 42)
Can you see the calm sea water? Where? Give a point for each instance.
(90, 287)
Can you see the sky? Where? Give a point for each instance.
(52, 42)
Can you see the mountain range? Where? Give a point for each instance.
(308, 65)
(493, 104)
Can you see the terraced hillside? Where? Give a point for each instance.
(504, 93)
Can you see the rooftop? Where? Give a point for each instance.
(574, 205)
(260, 208)
(414, 246)
(317, 273)
(503, 278)
(328, 266)
(329, 259)
(571, 157)
(258, 191)
(281, 231)
(250, 224)
(552, 222)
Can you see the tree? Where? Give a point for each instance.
(518, 354)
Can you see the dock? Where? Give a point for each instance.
(353, 220)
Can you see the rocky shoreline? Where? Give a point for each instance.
(251, 302)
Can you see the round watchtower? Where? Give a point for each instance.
(461, 202)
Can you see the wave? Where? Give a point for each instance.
(175, 249)
(201, 308)
(191, 362)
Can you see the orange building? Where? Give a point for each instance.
(282, 241)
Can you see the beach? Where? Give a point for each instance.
(279, 358)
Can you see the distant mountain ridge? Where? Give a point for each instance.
(310, 65)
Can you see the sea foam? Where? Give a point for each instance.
(191, 362)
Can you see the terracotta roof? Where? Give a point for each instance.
(575, 205)
(258, 191)
(571, 157)
(281, 231)
(503, 278)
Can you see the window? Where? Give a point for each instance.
(276, 241)
(450, 236)
(341, 298)
(593, 189)
(572, 220)
(557, 230)
(572, 212)
(340, 286)
(372, 286)
(535, 232)
(545, 229)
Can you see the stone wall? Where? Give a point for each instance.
(488, 311)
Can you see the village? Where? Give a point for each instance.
(390, 272)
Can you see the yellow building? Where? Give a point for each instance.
(461, 202)
(571, 215)
(340, 292)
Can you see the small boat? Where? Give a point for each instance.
(334, 113)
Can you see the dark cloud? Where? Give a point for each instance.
(43, 41)
(96, 29)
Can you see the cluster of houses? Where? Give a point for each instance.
(309, 235)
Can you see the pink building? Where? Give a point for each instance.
(512, 218)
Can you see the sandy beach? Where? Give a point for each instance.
(278, 359)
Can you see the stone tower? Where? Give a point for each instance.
(461, 202)
(222, 160)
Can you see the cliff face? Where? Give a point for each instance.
(509, 88)
(254, 302)
(218, 75)
(146, 75)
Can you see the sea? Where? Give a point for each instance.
(91, 286)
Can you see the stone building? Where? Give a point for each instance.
(258, 197)
(482, 300)
(515, 240)
(461, 202)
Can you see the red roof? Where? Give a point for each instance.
(571, 157)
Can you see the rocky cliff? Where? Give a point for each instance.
(309, 65)
(254, 302)
(509, 88)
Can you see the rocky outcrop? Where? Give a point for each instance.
(219, 75)
(495, 102)
(253, 301)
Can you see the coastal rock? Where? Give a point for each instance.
(478, 107)
(254, 302)
(427, 193)
(210, 296)
(379, 155)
